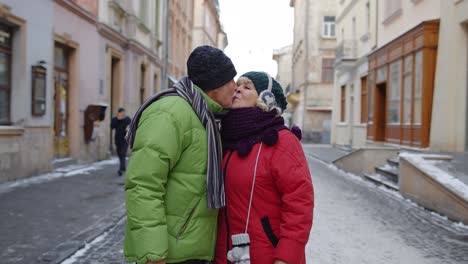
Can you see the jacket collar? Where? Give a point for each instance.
(212, 104)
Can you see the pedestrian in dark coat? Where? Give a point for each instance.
(266, 170)
(120, 124)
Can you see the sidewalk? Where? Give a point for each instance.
(45, 219)
(326, 153)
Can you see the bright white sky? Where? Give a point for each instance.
(254, 29)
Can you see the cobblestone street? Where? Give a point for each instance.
(354, 222)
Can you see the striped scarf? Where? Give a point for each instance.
(214, 177)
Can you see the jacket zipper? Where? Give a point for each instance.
(184, 226)
(228, 231)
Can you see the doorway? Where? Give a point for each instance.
(380, 119)
(61, 139)
(114, 94)
(142, 84)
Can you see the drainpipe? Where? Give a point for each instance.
(376, 24)
(306, 61)
(165, 44)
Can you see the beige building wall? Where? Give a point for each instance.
(283, 58)
(449, 131)
(181, 36)
(26, 139)
(395, 17)
(356, 25)
(206, 25)
(311, 46)
(132, 33)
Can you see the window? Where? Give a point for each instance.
(327, 70)
(394, 92)
(144, 11)
(354, 28)
(392, 7)
(117, 20)
(5, 74)
(370, 110)
(156, 18)
(364, 95)
(328, 30)
(142, 87)
(343, 104)
(368, 17)
(38, 76)
(407, 85)
(418, 79)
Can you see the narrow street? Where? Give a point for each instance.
(46, 218)
(355, 222)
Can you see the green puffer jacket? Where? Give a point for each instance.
(165, 187)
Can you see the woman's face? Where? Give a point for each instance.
(245, 95)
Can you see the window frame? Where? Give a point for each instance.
(364, 99)
(327, 25)
(343, 104)
(7, 49)
(328, 71)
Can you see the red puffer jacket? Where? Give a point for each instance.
(282, 207)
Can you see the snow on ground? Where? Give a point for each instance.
(395, 194)
(68, 171)
(82, 252)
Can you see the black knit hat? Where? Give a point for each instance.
(209, 68)
(260, 81)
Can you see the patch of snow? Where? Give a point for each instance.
(439, 216)
(61, 160)
(388, 167)
(393, 193)
(427, 164)
(67, 171)
(81, 252)
(460, 225)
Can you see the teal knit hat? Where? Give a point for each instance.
(260, 81)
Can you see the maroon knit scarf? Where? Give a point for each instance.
(242, 128)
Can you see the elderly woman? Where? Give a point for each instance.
(269, 193)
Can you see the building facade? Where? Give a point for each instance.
(283, 58)
(401, 73)
(312, 67)
(356, 26)
(449, 122)
(106, 57)
(26, 88)
(64, 74)
(207, 28)
(414, 92)
(181, 37)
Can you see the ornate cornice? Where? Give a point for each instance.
(77, 10)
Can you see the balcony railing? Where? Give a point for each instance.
(346, 50)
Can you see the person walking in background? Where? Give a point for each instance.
(269, 192)
(174, 183)
(120, 123)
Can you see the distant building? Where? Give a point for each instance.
(207, 29)
(312, 67)
(283, 58)
(356, 27)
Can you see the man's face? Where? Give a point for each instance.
(121, 115)
(223, 94)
